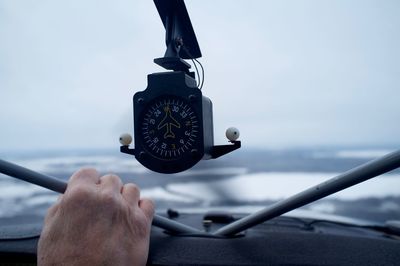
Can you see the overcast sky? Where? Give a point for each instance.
(286, 73)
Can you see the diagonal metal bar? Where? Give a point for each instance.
(350, 178)
(60, 186)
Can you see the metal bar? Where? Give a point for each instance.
(33, 177)
(60, 186)
(350, 178)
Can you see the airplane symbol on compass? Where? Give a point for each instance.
(168, 122)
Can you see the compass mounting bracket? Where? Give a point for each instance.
(180, 38)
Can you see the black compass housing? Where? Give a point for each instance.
(173, 123)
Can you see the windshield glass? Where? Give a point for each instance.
(311, 85)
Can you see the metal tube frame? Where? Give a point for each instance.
(350, 178)
(60, 186)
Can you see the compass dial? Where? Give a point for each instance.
(169, 128)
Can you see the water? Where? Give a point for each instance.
(249, 178)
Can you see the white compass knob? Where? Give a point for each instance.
(125, 139)
(232, 133)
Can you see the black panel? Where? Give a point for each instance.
(282, 241)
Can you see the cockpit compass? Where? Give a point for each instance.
(173, 120)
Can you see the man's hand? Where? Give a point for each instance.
(98, 221)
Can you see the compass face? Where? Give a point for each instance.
(169, 128)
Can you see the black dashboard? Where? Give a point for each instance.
(281, 241)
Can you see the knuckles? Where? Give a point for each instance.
(83, 173)
(79, 194)
(86, 196)
(109, 200)
(111, 178)
(133, 188)
(103, 200)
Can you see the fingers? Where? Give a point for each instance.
(147, 206)
(84, 177)
(111, 183)
(131, 194)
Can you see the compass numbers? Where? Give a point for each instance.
(157, 113)
(169, 128)
(183, 114)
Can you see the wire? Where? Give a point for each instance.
(194, 60)
(198, 74)
(202, 73)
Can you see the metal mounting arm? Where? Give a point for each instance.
(350, 178)
(60, 186)
(219, 150)
(178, 33)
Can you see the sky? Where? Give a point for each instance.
(286, 73)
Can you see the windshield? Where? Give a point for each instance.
(312, 86)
